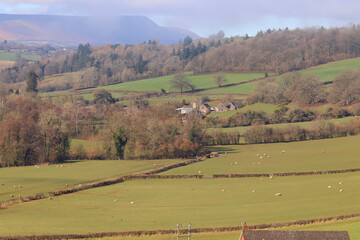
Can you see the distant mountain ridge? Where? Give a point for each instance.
(72, 30)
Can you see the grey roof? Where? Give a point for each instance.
(295, 235)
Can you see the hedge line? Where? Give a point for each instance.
(285, 174)
(81, 187)
(182, 231)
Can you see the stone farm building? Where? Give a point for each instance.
(221, 107)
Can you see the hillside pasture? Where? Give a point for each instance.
(14, 55)
(200, 81)
(161, 204)
(246, 88)
(326, 154)
(242, 130)
(327, 72)
(53, 177)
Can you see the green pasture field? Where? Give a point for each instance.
(200, 81)
(327, 72)
(12, 56)
(352, 226)
(246, 88)
(161, 204)
(339, 153)
(242, 130)
(53, 177)
(85, 142)
(70, 76)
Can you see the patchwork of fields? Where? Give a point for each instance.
(161, 204)
(152, 204)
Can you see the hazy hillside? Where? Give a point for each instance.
(95, 30)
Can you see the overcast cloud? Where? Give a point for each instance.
(235, 17)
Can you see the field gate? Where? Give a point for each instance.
(178, 234)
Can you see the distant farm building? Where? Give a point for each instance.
(232, 106)
(221, 107)
(186, 109)
(204, 109)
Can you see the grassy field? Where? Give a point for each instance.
(200, 81)
(340, 153)
(53, 177)
(4, 55)
(240, 89)
(328, 72)
(242, 130)
(160, 204)
(352, 226)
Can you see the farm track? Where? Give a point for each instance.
(182, 231)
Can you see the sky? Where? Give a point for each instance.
(205, 17)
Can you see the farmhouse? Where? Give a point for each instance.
(232, 106)
(204, 109)
(293, 235)
(221, 108)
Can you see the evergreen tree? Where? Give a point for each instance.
(32, 79)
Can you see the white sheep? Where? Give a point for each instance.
(329, 186)
(79, 185)
(132, 202)
(115, 200)
(283, 151)
(261, 157)
(50, 198)
(259, 163)
(200, 172)
(269, 157)
(235, 163)
(15, 187)
(340, 183)
(223, 190)
(12, 195)
(261, 179)
(253, 191)
(278, 194)
(341, 190)
(271, 177)
(20, 186)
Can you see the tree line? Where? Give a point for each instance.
(276, 51)
(309, 89)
